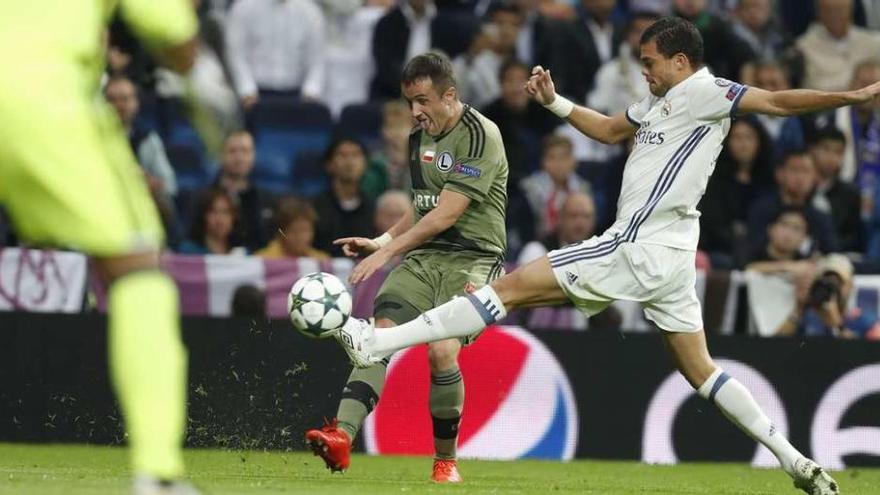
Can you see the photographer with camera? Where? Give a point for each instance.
(824, 309)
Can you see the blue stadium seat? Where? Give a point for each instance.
(310, 175)
(189, 164)
(283, 130)
(363, 121)
(174, 124)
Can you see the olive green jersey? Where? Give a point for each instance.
(468, 159)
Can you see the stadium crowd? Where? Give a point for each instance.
(322, 150)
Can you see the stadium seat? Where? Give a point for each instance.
(310, 175)
(189, 164)
(283, 130)
(363, 121)
(174, 124)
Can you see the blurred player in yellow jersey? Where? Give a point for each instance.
(68, 178)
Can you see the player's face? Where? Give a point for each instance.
(432, 111)
(658, 70)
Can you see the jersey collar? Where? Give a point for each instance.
(465, 109)
(702, 72)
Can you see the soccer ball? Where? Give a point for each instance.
(318, 304)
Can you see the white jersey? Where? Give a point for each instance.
(678, 140)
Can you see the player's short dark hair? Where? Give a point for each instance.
(432, 65)
(676, 35)
(828, 133)
(792, 210)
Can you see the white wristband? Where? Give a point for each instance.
(561, 106)
(382, 240)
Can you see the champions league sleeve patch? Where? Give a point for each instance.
(733, 91)
(468, 170)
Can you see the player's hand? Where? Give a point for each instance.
(868, 93)
(540, 86)
(354, 247)
(370, 265)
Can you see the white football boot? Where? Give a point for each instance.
(811, 478)
(354, 338)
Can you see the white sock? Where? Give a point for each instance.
(737, 403)
(459, 317)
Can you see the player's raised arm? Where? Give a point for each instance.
(593, 124)
(798, 101)
(167, 27)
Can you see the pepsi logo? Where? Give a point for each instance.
(518, 402)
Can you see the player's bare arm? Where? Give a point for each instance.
(450, 206)
(603, 128)
(798, 101)
(360, 246)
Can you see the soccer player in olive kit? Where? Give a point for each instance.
(454, 240)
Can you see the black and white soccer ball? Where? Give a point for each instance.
(319, 304)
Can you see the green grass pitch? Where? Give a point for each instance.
(80, 470)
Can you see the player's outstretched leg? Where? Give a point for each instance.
(533, 284)
(691, 355)
(148, 367)
(446, 402)
(361, 393)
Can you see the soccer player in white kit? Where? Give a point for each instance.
(648, 254)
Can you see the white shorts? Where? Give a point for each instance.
(600, 270)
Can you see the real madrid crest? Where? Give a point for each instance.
(667, 107)
(445, 161)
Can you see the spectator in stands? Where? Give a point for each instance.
(832, 47)
(295, 221)
(522, 121)
(276, 48)
(823, 310)
(146, 144)
(619, 84)
(834, 196)
(126, 56)
(786, 234)
(213, 226)
(743, 174)
(349, 64)
(536, 35)
(344, 210)
(589, 41)
(547, 189)
(754, 23)
(390, 208)
(861, 126)
(477, 69)
(254, 204)
(577, 222)
(796, 181)
(389, 165)
(725, 52)
(413, 27)
(787, 133)
(620, 81)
